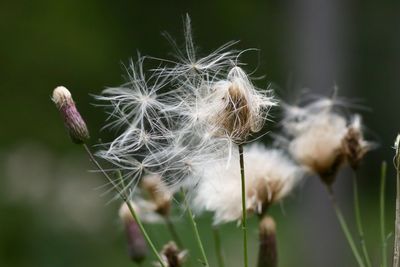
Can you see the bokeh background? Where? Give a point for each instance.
(51, 210)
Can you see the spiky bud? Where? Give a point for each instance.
(267, 254)
(73, 120)
(137, 246)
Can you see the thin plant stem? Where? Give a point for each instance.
(195, 229)
(244, 210)
(173, 232)
(218, 247)
(345, 228)
(126, 200)
(357, 214)
(396, 247)
(382, 213)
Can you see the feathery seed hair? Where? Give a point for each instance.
(322, 139)
(186, 113)
(270, 176)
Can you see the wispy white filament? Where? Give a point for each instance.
(183, 115)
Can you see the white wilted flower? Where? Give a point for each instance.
(322, 139)
(270, 176)
(174, 120)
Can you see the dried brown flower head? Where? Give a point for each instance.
(354, 145)
(172, 255)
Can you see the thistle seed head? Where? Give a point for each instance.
(239, 109)
(322, 139)
(270, 176)
(73, 120)
(184, 113)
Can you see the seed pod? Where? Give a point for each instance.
(73, 120)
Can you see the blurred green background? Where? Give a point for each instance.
(51, 213)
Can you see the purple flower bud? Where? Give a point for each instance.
(73, 121)
(137, 245)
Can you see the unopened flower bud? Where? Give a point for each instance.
(267, 254)
(73, 121)
(137, 246)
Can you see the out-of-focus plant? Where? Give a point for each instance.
(181, 128)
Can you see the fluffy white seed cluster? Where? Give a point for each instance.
(270, 176)
(322, 139)
(174, 119)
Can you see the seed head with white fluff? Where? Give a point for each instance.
(322, 139)
(174, 119)
(270, 176)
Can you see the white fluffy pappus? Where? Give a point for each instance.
(270, 176)
(322, 139)
(174, 120)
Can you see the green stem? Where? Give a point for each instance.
(195, 229)
(359, 221)
(172, 231)
(126, 200)
(382, 214)
(345, 228)
(218, 247)
(396, 247)
(244, 209)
